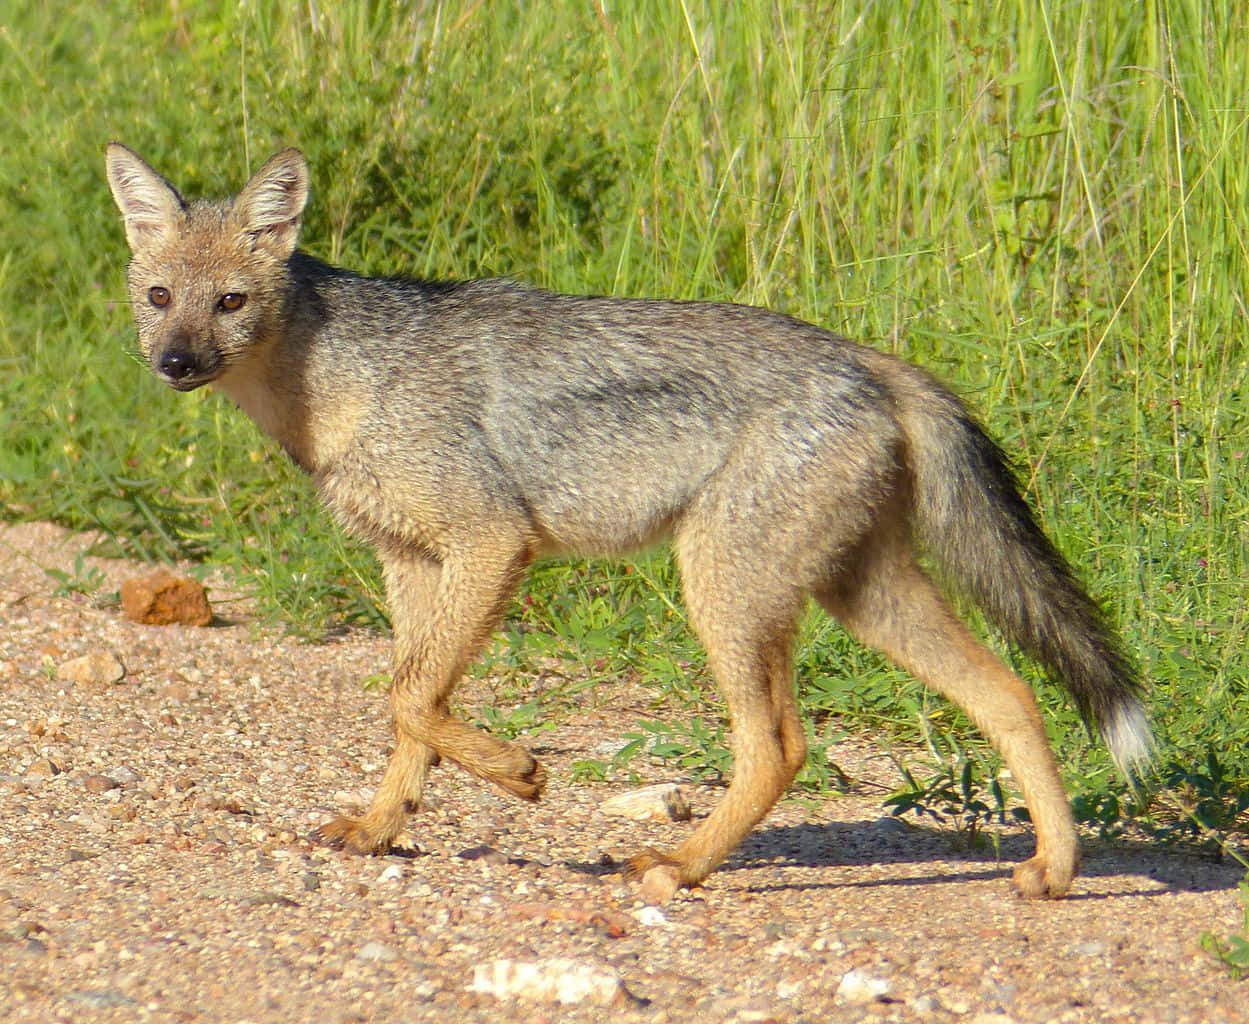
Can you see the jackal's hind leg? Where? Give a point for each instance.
(891, 604)
(747, 628)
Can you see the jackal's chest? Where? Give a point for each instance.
(412, 502)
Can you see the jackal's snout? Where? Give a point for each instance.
(180, 365)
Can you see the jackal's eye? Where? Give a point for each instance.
(158, 296)
(231, 301)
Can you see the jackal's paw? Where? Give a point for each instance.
(519, 773)
(649, 858)
(1039, 878)
(659, 876)
(350, 834)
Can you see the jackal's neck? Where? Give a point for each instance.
(298, 387)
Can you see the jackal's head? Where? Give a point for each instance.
(207, 280)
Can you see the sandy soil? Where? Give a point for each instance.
(154, 865)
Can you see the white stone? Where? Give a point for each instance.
(558, 980)
(665, 802)
(860, 987)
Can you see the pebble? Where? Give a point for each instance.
(100, 999)
(43, 768)
(99, 784)
(651, 917)
(665, 802)
(123, 775)
(889, 826)
(483, 853)
(97, 668)
(377, 952)
(788, 989)
(659, 884)
(558, 980)
(860, 987)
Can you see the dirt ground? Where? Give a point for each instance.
(154, 865)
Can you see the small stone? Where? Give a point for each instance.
(651, 917)
(860, 987)
(392, 873)
(123, 775)
(484, 853)
(665, 802)
(43, 768)
(179, 693)
(100, 999)
(98, 668)
(162, 599)
(659, 884)
(377, 953)
(954, 1000)
(558, 980)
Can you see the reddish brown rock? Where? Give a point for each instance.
(161, 599)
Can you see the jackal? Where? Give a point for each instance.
(466, 428)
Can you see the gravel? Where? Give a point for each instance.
(154, 863)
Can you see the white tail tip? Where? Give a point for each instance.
(1127, 733)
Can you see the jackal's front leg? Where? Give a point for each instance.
(442, 613)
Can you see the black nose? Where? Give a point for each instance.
(177, 363)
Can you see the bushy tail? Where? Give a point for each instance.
(974, 522)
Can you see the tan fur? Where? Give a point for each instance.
(466, 429)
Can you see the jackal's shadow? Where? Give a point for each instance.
(888, 841)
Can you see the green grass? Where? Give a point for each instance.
(1045, 204)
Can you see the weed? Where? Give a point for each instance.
(529, 718)
(81, 579)
(697, 747)
(957, 795)
(1233, 950)
(589, 769)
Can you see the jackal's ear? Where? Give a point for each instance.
(270, 205)
(149, 204)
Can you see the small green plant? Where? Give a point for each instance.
(821, 774)
(1233, 950)
(1210, 799)
(957, 794)
(589, 769)
(698, 747)
(529, 718)
(82, 579)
